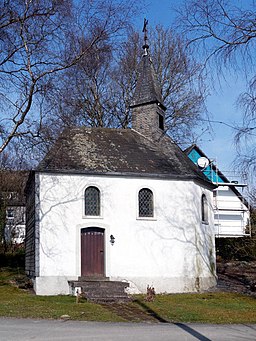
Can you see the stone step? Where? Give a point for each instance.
(93, 279)
(102, 291)
(102, 285)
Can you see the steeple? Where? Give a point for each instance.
(148, 110)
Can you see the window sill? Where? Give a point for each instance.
(205, 222)
(92, 217)
(147, 218)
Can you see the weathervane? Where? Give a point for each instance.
(145, 30)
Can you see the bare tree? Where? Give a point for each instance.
(223, 29)
(225, 34)
(98, 90)
(80, 96)
(39, 39)
(183, 84)
(245, 137)
(181, 80)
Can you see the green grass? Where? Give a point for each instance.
(205, 308)
(21, 303)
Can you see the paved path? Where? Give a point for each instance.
(51, 330)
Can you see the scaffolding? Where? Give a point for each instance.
(231, 209)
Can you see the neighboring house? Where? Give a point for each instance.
(12, 202)
(231, 210)
(126, 204)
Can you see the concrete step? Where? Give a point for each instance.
(100, 284)
(106, 285)
(99, 293)
(93, 279)
(102, 291)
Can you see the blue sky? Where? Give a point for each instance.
(221, 103)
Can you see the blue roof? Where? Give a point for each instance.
(209, 171)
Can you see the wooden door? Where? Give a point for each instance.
(92, 251)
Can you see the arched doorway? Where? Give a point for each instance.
(92, 252)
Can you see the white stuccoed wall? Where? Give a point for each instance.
(173, 251)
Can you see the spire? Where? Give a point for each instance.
(148, 110)
(147, 90)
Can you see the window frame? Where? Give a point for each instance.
(100, 202)
(140, 217)
(204, 209)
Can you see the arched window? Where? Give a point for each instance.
(92, 201)
(204, 209)
(146, 206)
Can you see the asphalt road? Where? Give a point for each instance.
(53, 330)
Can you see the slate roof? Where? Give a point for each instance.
(147, 88)
(117, 151)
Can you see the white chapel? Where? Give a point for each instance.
(123, 205)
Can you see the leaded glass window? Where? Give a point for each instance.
(204, 209)
(92, 201)
(146, 207)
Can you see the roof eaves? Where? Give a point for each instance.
(120, 174)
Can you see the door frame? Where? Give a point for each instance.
(94, 229)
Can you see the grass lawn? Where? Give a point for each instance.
(207, 307)
(16, 302)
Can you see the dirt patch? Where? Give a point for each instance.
(237, 276)
(133, 313)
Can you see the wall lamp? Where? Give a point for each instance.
(112, 239)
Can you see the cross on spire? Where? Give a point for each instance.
(145, 30)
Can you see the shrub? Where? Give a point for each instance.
(14, 259)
